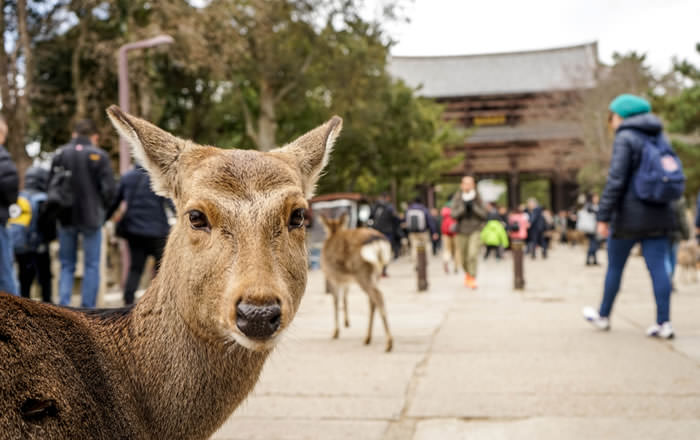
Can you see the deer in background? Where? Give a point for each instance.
(355, 255)
(177, 364)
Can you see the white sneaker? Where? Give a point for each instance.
(591, 315)
(663, 331)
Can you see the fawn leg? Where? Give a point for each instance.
(368, 339)
(345, 305)
(379, 299)
(335, 293)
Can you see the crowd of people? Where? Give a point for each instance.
(70, 202)
(641, 204)
(72, 199)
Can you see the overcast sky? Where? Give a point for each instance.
(659, 28)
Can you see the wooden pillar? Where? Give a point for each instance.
(558, 192)
(513, 190)
(513, 182)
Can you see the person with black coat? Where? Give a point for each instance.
(31, 240)
(383, 218)
(628, 220)
(91, 188)
(9, 188)
(144, 224)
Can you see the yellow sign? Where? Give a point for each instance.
(490, 120)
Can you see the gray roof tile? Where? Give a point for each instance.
(563, 68)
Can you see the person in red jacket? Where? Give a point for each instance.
(449, 245)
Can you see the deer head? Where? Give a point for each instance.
(334, 225)
(236, 259)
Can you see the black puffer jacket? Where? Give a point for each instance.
(145, 211)
(93, 182)
(628, 215)
(9, 184)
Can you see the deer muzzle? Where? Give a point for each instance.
(258, 322)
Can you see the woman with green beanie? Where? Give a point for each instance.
(625, 219)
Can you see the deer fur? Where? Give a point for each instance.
(175, 365)
(687, 260)
(355, 255)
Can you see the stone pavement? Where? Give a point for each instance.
(490, 364)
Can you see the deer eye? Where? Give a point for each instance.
(199, 221)
(296, 220)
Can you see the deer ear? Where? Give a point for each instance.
(156, 149)
(343, 220)
(312, 150)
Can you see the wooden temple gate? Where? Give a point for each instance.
(519, 110)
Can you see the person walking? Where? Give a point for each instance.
(626, 213)
(538, 226)
(494, 236)
(586, 223)
(144, 224)
(681, 233)
(697, 219)
(9, 188)
(421, 227)
(448, 227)
(81, 176)
(470, 215)
(30, 239)
(436, 238)
(383, 218)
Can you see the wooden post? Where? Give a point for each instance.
(421, 267)
(518, 272)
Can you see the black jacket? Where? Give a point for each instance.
(145, 211)
(93, 182)
(9, 184)
(384, 219)
(628, 215)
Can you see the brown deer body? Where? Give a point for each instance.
(180, 361)
(355, 255)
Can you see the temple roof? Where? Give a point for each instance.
(564, 68)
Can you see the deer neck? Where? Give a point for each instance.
(184, 386)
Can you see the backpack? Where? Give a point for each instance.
(659, 178)
(586, 221)
(60, 193)
(24, 226)
(415, 220)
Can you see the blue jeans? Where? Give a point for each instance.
(7, 271)
(593, 245)
(68, 253)
(671, 259)
(655, 251)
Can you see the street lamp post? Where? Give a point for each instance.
(124, 156)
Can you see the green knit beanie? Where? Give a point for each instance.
(629, 105)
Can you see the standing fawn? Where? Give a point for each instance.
(177, 364)
(357, 255)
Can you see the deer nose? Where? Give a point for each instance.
(258, 322)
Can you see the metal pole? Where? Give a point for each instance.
(124, 155)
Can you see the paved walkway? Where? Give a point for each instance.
(490, 364)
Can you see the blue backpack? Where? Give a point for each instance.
(659, 178)
(24, 224)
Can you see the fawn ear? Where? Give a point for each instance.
(156, 149)
(312, 150)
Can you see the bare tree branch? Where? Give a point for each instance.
(292, 84)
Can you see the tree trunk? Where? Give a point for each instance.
(22, 111)
(76, 73)
(263, 129)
